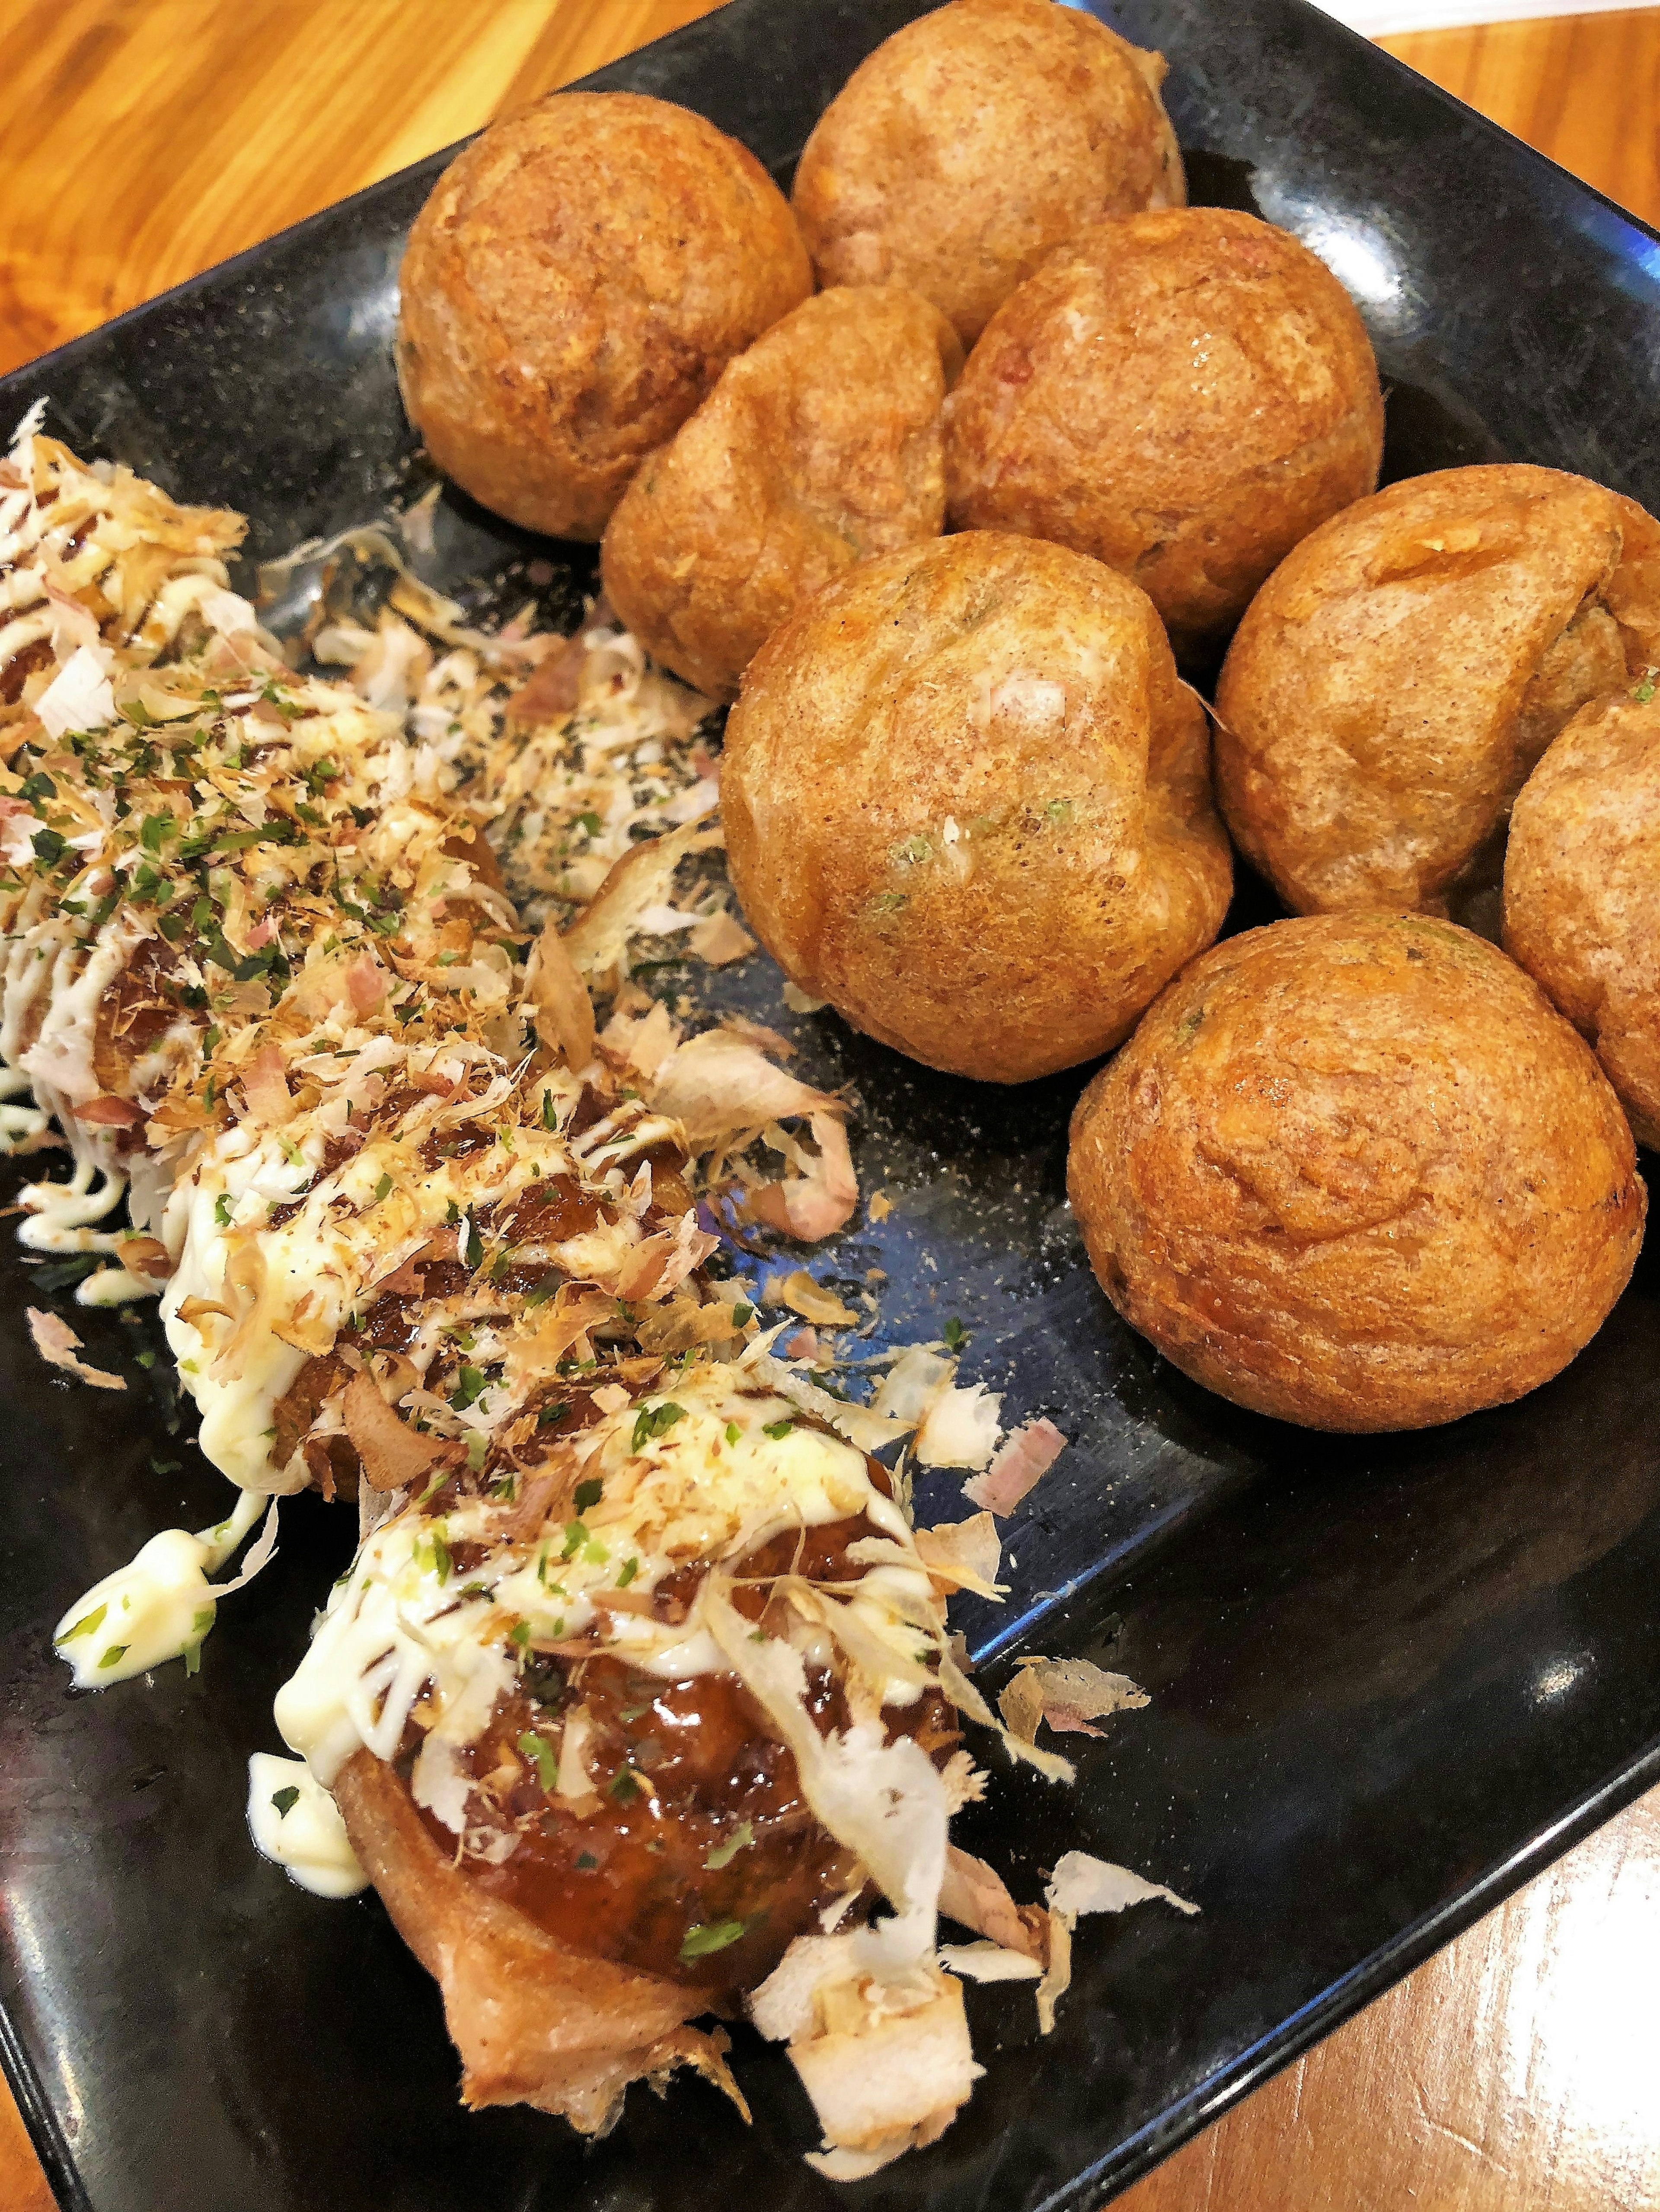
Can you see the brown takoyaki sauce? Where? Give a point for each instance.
(685, 1773)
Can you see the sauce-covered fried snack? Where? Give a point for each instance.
(1582, 889)
(618, 1713)
(819, 447)
(571, 289)
(206, 856)
(972, 142)
(1183, 394)
(1356, 1172)
(1397, 678)
(968, 802)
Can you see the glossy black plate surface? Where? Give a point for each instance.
(1391, 1678)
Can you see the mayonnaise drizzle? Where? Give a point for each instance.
(158, 1607)
(295, 1822)
(355, 1223)
(713, 1484)
(22, 1127)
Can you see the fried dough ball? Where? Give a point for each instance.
(968, 802)
(1582, 889)
(1183, 395)
(577, 281)
(1398, 676)
(1355, 1172)
(974, 140)
(819, 446)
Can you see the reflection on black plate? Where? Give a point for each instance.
(1390, 1676)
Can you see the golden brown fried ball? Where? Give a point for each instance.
(1183, 395)
(1356, 1172)
(1582, 889)
(577, 281)
(819, 446)
(1398, 676)
(968, 802)
(974, 140)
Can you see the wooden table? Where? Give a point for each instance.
(142, 140)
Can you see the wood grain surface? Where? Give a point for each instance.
(142, 140)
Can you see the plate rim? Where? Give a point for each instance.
(1389, 1963)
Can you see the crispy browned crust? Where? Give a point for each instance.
(1582, 891)
(1183, 394)
(534, 2023)
(819, 446)
(972, 142)
(573, 287)
(968, 802)
(1355, 1172)
(1396, 678)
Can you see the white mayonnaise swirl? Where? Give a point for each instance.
(701, 1473)
(294, 1821)
(158, 1607)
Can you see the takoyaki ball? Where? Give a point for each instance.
(1183, 395)
(819, 446)
(1399, 675)
(1582, 889)
(573, 287)
(1356, 1172)
(968, 802)
(976, 139)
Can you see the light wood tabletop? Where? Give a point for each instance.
(142, 140)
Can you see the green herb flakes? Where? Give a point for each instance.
(655, 1421)
(703, 1939)
(541, 1754)
(470, 1386)
(88, 1625)
(723, 1853)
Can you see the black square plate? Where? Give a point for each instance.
(1390, 1677)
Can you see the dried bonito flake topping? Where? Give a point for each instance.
(337, 986)
(1026, 1455)
(60, 1346)
(1070, 1694)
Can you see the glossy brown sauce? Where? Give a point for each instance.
(21, 665)
(133, 1015)
(678, 1770)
